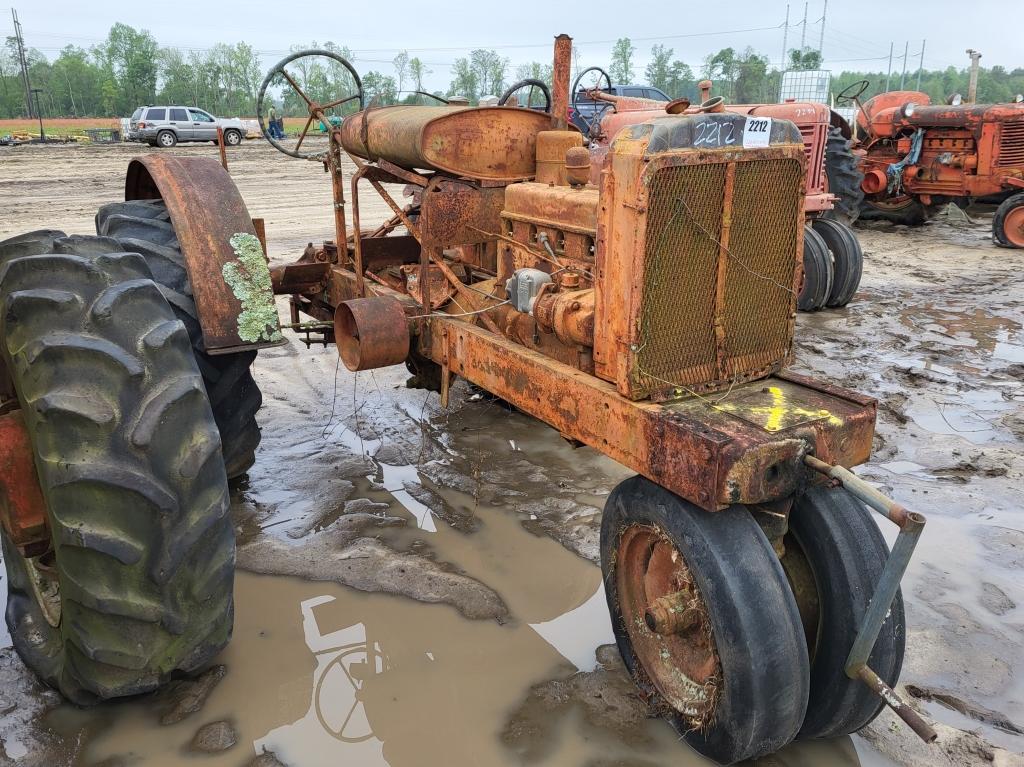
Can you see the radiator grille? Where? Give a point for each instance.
(1011, 145)
(814, 137)
(679, 344)
(766, 203)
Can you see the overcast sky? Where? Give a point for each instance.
(857, 32)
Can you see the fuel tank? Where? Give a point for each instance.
(480, 143)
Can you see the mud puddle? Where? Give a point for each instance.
(322, 674)
(319, 674)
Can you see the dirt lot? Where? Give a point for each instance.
(418, 586)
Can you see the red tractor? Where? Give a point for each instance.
(833, 259)
(918, 156)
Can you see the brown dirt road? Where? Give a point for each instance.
(360, 481)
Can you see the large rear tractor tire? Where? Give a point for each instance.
(137, 585)
(144, 227)
(842, 168)
(705, 621)
(847, 260)
(842, 549)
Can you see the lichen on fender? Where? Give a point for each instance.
(249, 279)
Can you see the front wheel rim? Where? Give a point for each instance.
(683, 666)
(892, 206)
(45, 586)
(1013, 227)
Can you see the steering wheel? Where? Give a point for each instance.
(713, 104)
(530, 83)
(317, 111)
(433, 96)
(598, 112)
(852, 92)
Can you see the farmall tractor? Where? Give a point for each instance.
(832, 256)
(649, 316)
(919, 156)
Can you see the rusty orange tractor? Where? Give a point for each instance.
(833, 260)
(649, 316)
(918, 156)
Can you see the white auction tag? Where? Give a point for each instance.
(757, 132)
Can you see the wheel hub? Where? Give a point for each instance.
(892, 203)
(667, 622)
(45, 583)
(1013, 227)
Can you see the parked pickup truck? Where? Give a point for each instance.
(165, 126)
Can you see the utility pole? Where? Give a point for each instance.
(821, 38)
(972, 87)
(906, 52)
(889, 73)
(920, 65)
(803, 30)
(785, 39)
(39, 113)
(22, 61)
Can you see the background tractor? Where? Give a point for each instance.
(919, 156)
(833, 259)
(649, 316)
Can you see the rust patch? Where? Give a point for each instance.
(652, 577)
(22, 506)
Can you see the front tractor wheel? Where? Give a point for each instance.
(1008, 222)
(705, 621)
(847, 260)
(819, 273)
(834, 559)
(134, 583)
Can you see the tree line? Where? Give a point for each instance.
(130, 68)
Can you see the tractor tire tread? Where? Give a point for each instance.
(846, 553)
(144, 226)
(842, 169)
(819, 273)
(847, 260)
(138, 532)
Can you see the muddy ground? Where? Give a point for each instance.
(419, 586)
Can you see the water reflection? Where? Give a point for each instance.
(398, 683)
(427, 695)
(345, 661)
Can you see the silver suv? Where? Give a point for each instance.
(166, 126)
